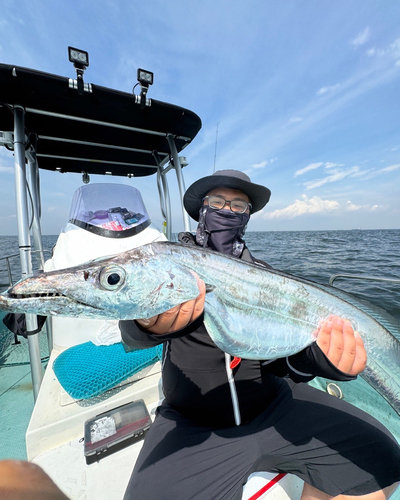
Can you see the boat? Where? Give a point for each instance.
(86, 429)
(66, 125)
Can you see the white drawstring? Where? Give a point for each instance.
(232, 387)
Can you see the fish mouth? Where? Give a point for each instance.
(48, 297)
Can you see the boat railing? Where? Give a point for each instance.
(361, 277)
(7, 260)
(9, 272)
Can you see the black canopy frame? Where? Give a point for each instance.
(51, 123)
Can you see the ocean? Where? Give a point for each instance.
(318, 255)
(314, 255)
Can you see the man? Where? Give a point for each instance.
(210, 434)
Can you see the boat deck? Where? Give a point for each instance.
(16, 396)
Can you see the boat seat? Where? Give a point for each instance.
(87, 370)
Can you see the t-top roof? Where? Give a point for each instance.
(98, 131)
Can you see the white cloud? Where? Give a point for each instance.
(351, 207)
(362, 173)
(257, 166)
(329, 88)
(295, 119)
(362, 37)
(336, 176)
(393, 51)
(389, 169)
(292, 121)
(394, 48)
(311, 166)
(262, 164)
(329, 165)
(315, 206)
(374, 173)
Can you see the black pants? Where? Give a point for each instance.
(325, 441)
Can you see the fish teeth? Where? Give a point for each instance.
(34, 295)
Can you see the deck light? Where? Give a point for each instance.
(85, 177)
(183, 161)
(145, 79)
(80, 60)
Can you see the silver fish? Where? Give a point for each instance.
(251, 312)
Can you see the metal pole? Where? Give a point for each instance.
(167, 206)
(10, 280)
(37, 230)
(181, 184)
(165, 202)
(24, 239)
(360, 277)
(163, 191)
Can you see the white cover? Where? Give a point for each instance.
(76, 246)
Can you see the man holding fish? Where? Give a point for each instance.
(224, 417)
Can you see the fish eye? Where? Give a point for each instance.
(112, 277)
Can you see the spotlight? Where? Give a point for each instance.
(145, 79)
(80, 60)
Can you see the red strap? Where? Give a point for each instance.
(268, 486)
(235, 361)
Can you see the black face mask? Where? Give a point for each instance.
(222, 230)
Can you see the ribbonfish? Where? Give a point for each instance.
(251, 312)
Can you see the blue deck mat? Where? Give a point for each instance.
(87, 370)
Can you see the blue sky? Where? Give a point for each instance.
(304, 94)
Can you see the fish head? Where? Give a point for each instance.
(126, 286)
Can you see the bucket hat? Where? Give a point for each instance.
(234, 179)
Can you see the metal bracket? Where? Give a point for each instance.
(73, 84)
(138, 100)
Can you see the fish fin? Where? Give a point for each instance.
(209, 288)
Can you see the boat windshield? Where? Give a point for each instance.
(111, 210)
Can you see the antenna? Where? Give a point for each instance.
(215, 153)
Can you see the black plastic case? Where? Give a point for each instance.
(115, 429)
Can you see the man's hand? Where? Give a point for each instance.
(342, 345)
(179, 316)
